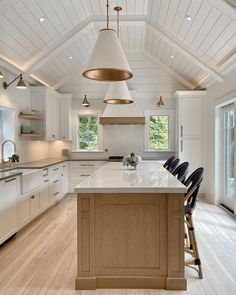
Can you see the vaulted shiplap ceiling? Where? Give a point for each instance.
(204, 49)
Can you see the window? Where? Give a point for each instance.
(7, 130)
(159, 131)
(88, 132)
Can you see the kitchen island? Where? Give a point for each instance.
(130, 229)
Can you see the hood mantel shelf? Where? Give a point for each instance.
(122, 120)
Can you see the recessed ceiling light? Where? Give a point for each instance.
(42, 19)
(172, 56)
(70, 57)
(188, 17)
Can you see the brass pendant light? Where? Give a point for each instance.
(20, 85)
(108, 61)
(160, 102)
(118, 92)
(85, 102)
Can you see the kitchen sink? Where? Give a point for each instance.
(30, 179)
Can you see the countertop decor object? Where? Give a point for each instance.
(131, 160)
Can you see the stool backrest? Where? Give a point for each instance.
(193, 183)
(167, 163)
(181, 171)
(172, 166)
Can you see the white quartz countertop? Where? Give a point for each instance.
(149, 177)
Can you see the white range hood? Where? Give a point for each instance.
(123, 114)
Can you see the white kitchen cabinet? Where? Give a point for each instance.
(80, 170)
(35, 204)
(54, 189)
(64, 180)
(55, 109)
(24, 211)
(65, 117)
(44, 195)
(189, 137)
(9, 189)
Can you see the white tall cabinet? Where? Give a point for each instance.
(189, 137)
(56, 110)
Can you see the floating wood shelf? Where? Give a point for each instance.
(30, 135)
(122, 120)
(30, 117)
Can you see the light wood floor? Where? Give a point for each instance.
(42, 259)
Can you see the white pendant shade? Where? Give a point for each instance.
(118, 93)
(108, 61)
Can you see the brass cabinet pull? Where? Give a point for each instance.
(84, 174)
(56, 193)
(9, 180)
(55, 169)
(87, 165)
(46, 181)
(55, 181)
(181, 130)
(32, 197)
(181, 148)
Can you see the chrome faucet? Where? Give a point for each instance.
(3, 163)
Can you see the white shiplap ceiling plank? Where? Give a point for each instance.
(22, 25)
(79, 9)
(51, 16)
(219, 27)
(225, 49)
(62, 15)
(47, 26)
(173, 7)
(11, 55)
(70, 11)
(206, 28)
(222, 39)
(186, 25)
(198, 22)
(180, 16)
(154, 9)
(163, 11)
(130, 7)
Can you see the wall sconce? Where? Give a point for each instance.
(1, 74)
(20, 84)
(160, 102)
(85, 102)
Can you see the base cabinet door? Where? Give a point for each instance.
(8, 208)
(44, 195)
(35, 204)
(24, 214)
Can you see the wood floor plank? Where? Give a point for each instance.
(41, 260)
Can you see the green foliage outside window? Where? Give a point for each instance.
(88, 133)
(159, 132)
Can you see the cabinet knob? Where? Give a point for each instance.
(32, 197)
(53, 135)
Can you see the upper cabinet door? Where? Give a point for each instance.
(65, 119)
(52, 117)
(191, 116)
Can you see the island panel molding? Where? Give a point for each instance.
(130, 240)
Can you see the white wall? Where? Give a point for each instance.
(217, 93)
(117, 139)
(18, 100)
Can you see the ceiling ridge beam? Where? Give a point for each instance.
(176, 76)
(183, 50)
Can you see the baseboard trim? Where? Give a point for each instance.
(93, 283)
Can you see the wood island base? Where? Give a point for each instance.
(130, 240)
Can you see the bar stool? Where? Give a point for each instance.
(193, 184)
(167, 163)
(172, 166)
(181, 171)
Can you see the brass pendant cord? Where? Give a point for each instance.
(107, 14)
(118, 24)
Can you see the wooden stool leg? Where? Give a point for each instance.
(195, 247)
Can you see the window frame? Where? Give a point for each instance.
(171, 129)
(100, 133)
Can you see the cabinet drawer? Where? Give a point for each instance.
(54, 169)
